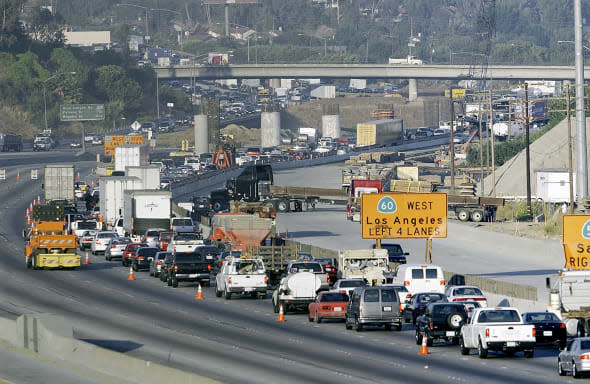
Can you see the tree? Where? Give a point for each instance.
(46, 28)
(11, 31)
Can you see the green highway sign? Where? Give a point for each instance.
(81, 112)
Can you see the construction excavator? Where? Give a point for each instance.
(223, 157)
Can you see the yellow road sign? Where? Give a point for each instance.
(576, 241)
(458, 93)
(404, 215)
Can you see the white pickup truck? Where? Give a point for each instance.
(241, 276)
(497, 329)
(185, 242)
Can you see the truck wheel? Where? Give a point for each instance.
(169, 281)
(174, 283)
(347, 324)
(476, 216)
(218, 293)
(529, 353)
(317, 318)
(429, 340)
(304, 206)
(227, 295)
(283, 206)
(464, 351)
(254, 295)
(216, 205)
(560, 370)
(357, 325)
(34, 261)
(418, 337)
(28, 263)
(276, 307)
(398, 327)
(454, 320)
(481, 351)
(463, 215)
(388, 327)
(575, 373)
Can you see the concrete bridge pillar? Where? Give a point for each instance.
(275, 83)
(412, 90)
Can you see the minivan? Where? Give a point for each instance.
(421, 278)
(373, 306)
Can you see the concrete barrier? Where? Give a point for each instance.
(51, 337)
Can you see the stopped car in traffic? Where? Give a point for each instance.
(549, 328)
(459, 293)
(402, 293)
(85, 241)
(151, 236)
(142, 258)
(182, 224)
(330, 265)
(129, 252)
(575, 359)
(418, 303)
(241, 277)
(441, 321)
(328, 305)
(421, 278)
(348, 285)
(373, 306)
(163, 240)
(166, 262)
(395, 253)
(116, 247)
(101, 240)
(157, 262)
(188, 267)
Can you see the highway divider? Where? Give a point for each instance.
(51, 337)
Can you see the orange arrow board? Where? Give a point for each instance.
(576, 241)
(404, 215)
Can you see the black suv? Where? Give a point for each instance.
(395, 253)
(441, 321)
(189, 267)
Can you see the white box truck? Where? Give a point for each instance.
(58, 183)
(146, 209)
(131, 156)
(112, 190)
(148, 175)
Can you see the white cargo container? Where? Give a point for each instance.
(164, 61)
(148, 175)
(58, 183)
(131, 156)
(358, 83)
(112, 190)
(146, 209)
(324, 92)
(507, 129)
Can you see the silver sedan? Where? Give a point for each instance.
(575, 358)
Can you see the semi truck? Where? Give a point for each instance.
(256, 183)
(112, 189)
(58, 183)
(474, 208)
(145, 209)
(380, 133)
(356, 190)
(10, 142)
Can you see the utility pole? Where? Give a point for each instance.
(481, 173)
(581, 155)
(528, 152)
(490, 130)
(570, 148)
(452, 146)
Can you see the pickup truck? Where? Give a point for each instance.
(497, 329)
(183, 242)
(309, 266)
(296, 290)
(241, 276)
(188, 267)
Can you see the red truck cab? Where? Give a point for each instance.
(356, 190)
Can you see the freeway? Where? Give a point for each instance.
(233, 341)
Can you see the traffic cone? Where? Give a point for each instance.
(278, 235)
(38, 199)
(86, 260)
(199, 293)
(424, 347)
(17, 175)
(281, 314)
(131, 275)
(28, 220)
(31, 207)
(78, 176)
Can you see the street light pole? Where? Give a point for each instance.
(45, 93)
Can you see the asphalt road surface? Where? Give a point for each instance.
(236, 340)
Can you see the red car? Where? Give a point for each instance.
(129, 252)
(328, 305)
(164, 239)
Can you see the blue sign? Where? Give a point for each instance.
(387, 205)
(586, 230)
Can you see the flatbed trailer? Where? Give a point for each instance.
(301, 199)
(275, 258)
(474, 208)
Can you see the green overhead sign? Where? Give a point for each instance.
(81, 112)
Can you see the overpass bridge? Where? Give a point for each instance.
(364, 71)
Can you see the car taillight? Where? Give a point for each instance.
(174, 249)
(229, 280)
(159, 262)
(480, 299)
(139, 258)
(265, 279)
(534, 332)
(209, 267)
(488, 332)
(343, 291)
(431, 325)
(584, 357)
(360, 309)
(442, 282)
(408, 296)
(406, 282)
(467, 310)
(562, 326)
(176, 268)
(459, 299)
(97, 242)
(400, 308)
(113, 246)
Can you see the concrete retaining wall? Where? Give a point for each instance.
(51, 338)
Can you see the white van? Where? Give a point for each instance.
(421, 278)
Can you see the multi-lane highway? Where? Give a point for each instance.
(237, 340)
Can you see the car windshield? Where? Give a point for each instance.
(86, 224)
(392, 249)
(325, 261)
(188, 257)
(430, 298)
(446, 309)
(186, 236)
(313, 267)
(124, 240)
(166, 236)
(467, 291)
(247, 266)
(182, 222)
(107, 235)
(133, 247)
(542, 317)
(334, 297)
(153, 233)
(352, 283)
(499, 316)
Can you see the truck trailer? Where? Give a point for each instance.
(380, 133)
(146, 209)
(58, 184)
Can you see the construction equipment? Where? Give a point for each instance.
(49, 245)
(241, 230)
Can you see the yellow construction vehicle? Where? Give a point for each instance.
(48, 243)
